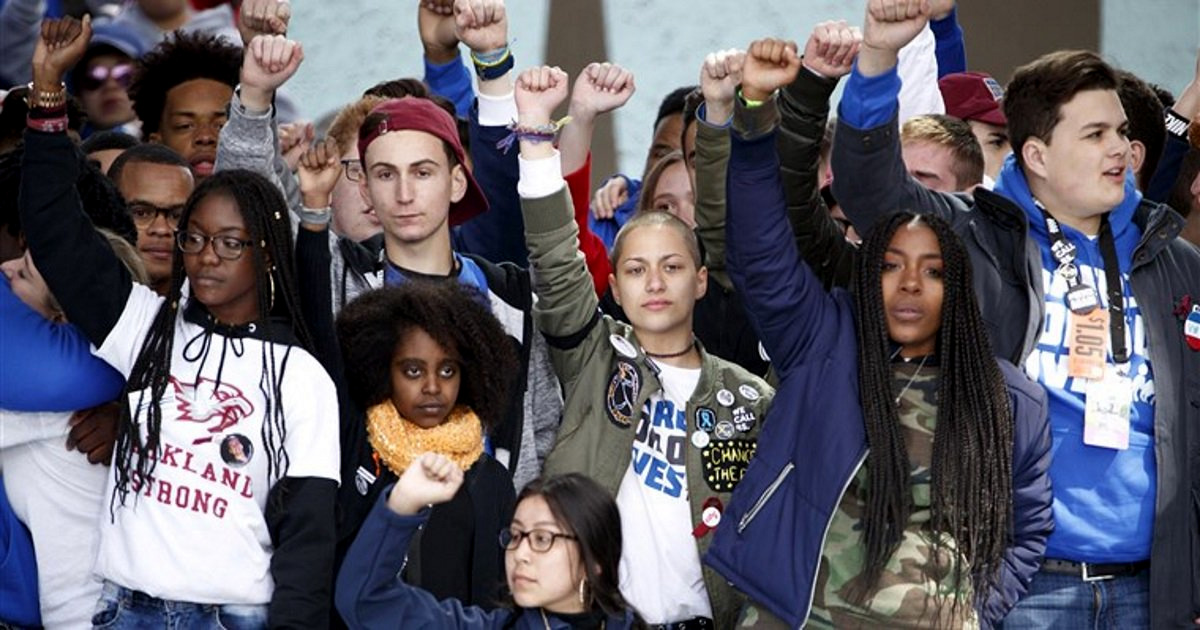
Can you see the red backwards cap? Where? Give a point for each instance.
(421, 114)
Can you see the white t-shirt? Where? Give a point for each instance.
(660, 563)
(58, 495)
(197, 531)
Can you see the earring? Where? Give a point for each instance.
(582, 586)
(271, 280)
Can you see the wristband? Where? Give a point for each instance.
(316, 216)
(1176, 124)
(490, 58)
(490, 71)
(57, 124)
(749, 103)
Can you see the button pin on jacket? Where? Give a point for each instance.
(725, 398)
(1191, 329)
(710, 517)
(623, 346)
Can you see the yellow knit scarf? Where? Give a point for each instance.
(399, 441)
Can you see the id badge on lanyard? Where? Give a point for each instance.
(1109, 392)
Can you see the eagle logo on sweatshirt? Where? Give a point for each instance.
(207, 401)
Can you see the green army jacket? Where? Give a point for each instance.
(607, 380)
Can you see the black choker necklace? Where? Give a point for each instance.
(672, 355)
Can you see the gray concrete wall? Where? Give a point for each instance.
(351, 44)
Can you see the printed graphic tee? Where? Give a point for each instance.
(660, 566)
(195, 530)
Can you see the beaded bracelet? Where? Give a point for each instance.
(535, 135)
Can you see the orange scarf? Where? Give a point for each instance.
(399, 442)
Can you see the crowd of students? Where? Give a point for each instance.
(932, 364)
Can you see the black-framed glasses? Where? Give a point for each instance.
(144, 214)
(95, 77)
(354, 169)
(225, 247)
(540, 540)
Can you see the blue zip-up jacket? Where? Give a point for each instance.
(769, 544)
(370, 595)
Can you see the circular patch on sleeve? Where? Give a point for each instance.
(620, 399)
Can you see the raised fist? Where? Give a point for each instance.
(294, 140)
(831, 49)
(319, 169)
(770, 64)
(720, 75)
(59, 47)
(538, 92)
(263, 17)
(269, 61)
(601, 88)
(892, 24)
(435, 23)
(431, 479)
(481, 24)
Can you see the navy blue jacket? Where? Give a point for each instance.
(369, 595)
(769, 543)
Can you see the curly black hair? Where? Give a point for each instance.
(182, 57)
(457, 317)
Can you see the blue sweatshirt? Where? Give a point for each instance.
(1103, 498)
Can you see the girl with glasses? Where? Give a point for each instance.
(561, 553)
(191, 533)
(428, 368)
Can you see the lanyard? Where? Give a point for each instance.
(1081, 297)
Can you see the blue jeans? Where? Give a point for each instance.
(122, 608)
(1066, 602)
